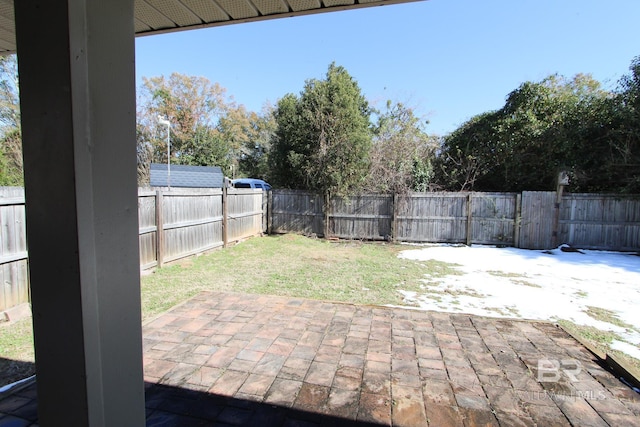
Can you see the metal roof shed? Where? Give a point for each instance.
(186, 176)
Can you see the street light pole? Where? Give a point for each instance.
(166, 122)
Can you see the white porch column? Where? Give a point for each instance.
(77, 81)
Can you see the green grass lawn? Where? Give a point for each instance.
(292, 265)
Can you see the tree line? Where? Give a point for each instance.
(324, 139)
(328, 137)
(557, 124)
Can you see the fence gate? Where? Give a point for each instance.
(537, 220)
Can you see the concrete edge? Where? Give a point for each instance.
(629, 374)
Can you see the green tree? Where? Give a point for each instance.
(323, 138)
(402, 152)
(468, 153)
(548, 127)
(194, 106)
(248, 134)
(624, 123)
(545, 127)
(255, 152)
(11, 172)
(207, 127)
(289, 148)
(208, 148)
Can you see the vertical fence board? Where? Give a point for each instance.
(159, 225)
(265, 212)
(365, 217)
(192, 222)
(270, 213)
(517, 221)
(469, 234)
(537, 219)
(432, 217)
(225, 217)
(493, 217)
(148, 230)
(600, 221)
(244, 208)
(296, 212)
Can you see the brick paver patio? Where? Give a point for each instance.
(234, 359)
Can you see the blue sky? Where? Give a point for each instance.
(449, 59)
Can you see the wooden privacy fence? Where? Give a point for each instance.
(598, 221)
(14, 278)
(173, 224)
(179, 223)
(484, 218)
(531, 220)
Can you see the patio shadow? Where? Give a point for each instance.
(169, 406)
(175, 406)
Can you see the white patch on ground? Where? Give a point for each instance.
(519, 283)
(631, 350)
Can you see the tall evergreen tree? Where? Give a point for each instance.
(323, 138)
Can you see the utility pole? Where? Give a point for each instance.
(166, 122)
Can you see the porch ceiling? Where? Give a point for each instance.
(160, 16)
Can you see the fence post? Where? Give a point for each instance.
(469, 218)
(556, 215)
(225, 218)
(326, 208)
(269, 212)
(394, 214)
(516, 222)
(159, 228)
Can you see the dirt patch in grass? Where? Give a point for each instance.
(430, 287)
